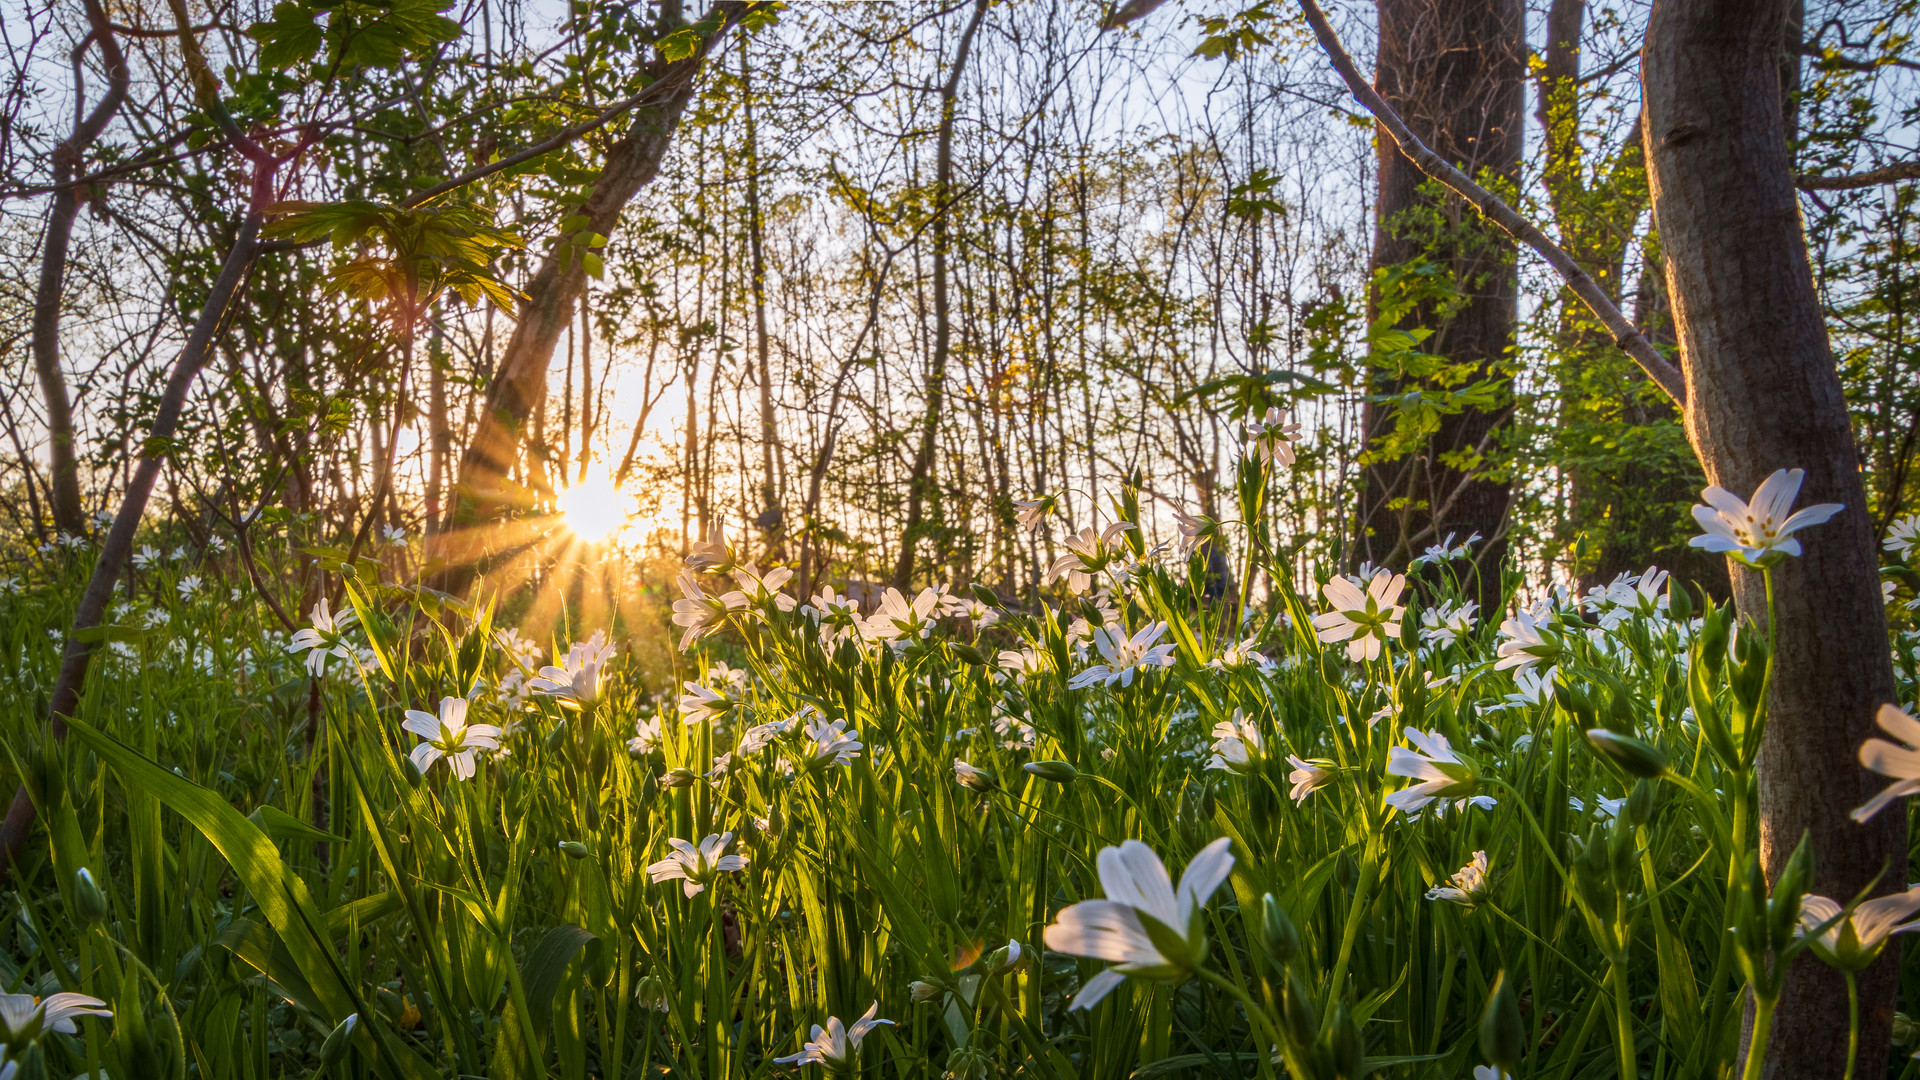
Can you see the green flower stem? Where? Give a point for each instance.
(1369, 871)
(1623, 1017)
(1762, 1029)
(1853, 1022)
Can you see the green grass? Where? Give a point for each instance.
(265, 877)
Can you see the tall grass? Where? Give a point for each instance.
(269, 862)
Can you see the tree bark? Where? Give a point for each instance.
(922, 482)
(1764, 394)
(68, 516)
(483, 490)
(1455, 70)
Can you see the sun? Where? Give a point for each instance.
(593, 509)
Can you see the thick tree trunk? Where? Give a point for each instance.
(484, 489)
(1456, 71)
(1764, 394)
(68, 516)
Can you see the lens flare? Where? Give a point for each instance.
(593, 509)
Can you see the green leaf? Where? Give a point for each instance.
(281, 825)
(280, 893)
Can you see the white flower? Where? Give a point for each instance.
(1240, 654)
(900, 619)
(323, 638)
(1193, 529)
(696, 868)
(837, 615)
(450, 736)
(1902, 761)
(646, 736)
(1603, 810)
(712, 554)
(761, 736)
(1469, 885)
(1535, 688)
(1525, 641)
(24, 1018)
(1308, 777)
(700, 704)
(1272, 437)
(1088, 553)
(1491, 1072)
(1757, 534)
(835, 1046)
(1139, 894)
(577, 677)
(1125, 655)
(524, 651)
(395, 537)
(1447, 549)
(699, 613)
(830, 742)
(187, 586)
(147, 556)
(1447, 623)
(1237, 745)
(1852, 939)
(763, 589)
(977, 613)
(1364, 620)
(1441, 773)
(1903, 534)
(1032, 513)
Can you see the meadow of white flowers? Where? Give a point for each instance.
(1113, 830)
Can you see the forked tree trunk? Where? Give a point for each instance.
(1763, 394)
(1456, 72)
(50, 292)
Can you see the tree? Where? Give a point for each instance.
(1457, 72)
(484, 488)
(1763, 393)
(68, 516)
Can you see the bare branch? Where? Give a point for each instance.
(1886, 174)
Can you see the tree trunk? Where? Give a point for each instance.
(1764, 394)
(922, 483)
(483, 490)
(1456, 71)
(68, 516)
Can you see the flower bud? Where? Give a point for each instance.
(574, 849)
(985, 595)
(1503, 1035)
(1277, 931)
(920, 991)
(1006, 958)
(1635, 756)
(1679, 601)
(411, 771)
(1641, 803)
(981, 780)
(557, 738)
(1342, 1048)
(966, 653)
(87, 897)
(1905, 1030)
(337, 1042)
(1058, 772)
(678, 778)
(1296, 1007)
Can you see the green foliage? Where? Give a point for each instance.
(356, 34)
